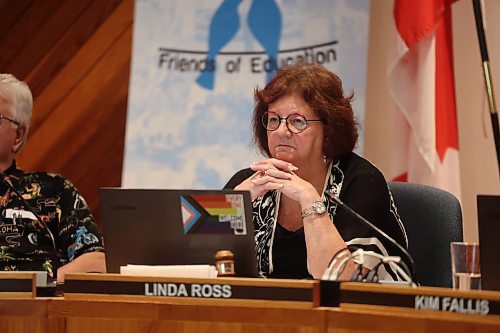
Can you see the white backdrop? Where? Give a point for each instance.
(194, 69)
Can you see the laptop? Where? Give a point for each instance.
(177, 227)
(488, 212)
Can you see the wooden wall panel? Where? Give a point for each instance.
(83, 28)
(75, 55)
(63, 72)
(23, 31)
(58, 20)
(10, 11)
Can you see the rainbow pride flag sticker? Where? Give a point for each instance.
(213, 214)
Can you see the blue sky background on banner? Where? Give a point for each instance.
(194, 69)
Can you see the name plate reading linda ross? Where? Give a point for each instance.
(296, 291)
(17, 284)
(357, 295)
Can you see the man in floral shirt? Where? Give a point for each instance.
(60, 236)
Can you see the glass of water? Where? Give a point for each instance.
(465, 266)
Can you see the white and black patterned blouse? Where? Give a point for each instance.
(361, 186)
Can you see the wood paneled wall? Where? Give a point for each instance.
(75, 55)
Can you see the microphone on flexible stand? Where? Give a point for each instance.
(7, 181)
(377, 230)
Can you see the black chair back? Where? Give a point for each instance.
(432, 219)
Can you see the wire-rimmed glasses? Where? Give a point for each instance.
(10, 119)
(296, 123)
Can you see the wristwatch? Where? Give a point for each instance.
(317, 208)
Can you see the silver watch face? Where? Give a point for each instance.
(319, 207)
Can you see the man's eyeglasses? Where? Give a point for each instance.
(11, 120)
(296, 123)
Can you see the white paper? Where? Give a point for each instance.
(187, 271)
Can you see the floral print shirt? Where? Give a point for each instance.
(25, 242)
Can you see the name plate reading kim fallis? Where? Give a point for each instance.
(355, 295)
(302, 292)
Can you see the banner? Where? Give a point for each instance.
(195, 67)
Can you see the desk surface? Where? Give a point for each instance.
(59, 315)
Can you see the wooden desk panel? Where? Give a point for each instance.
(32, 315)
(378, 321)
(129, 316)
(82, 313)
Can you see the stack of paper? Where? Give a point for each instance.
(187, 271)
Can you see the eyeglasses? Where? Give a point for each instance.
(11, 120)
(296, 123)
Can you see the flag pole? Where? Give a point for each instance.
(487, 76)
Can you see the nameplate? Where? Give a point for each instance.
(351, 294)
(192, 288)
(17, 285)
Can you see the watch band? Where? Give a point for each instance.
(318, 207)
(306, 212)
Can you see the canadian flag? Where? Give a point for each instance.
(421, 82)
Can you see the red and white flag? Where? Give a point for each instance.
(421, 82)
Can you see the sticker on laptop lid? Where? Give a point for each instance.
(213, 214)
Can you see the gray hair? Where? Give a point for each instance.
(18, 95)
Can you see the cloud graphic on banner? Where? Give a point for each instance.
(208, 166)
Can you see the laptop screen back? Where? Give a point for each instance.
(177, 227)
(488, 211)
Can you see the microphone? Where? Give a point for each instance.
(7, 181)
(377, 230)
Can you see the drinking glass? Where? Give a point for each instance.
(465, 265)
